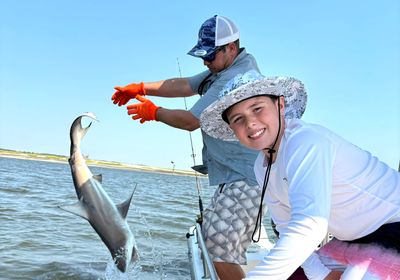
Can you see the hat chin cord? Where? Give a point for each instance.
(271, 152)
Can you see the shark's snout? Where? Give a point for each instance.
(125, 257)
(122, 264)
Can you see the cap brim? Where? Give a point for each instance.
(201, 51)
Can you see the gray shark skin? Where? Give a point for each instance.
(94, 205)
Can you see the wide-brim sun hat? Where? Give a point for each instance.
(247, 85)
(213, 33)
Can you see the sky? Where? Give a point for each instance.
(59, 59)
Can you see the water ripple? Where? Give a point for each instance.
(49, 243)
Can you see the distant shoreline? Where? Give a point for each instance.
(99, 163)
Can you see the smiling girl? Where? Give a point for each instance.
(314, 183)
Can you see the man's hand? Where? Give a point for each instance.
(145, 111)
(126, 93)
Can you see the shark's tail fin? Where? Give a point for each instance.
(77, 132)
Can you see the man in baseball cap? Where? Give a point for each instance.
(228, 222)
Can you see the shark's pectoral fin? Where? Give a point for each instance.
(77, 209)
(98, 177)
(124, 206)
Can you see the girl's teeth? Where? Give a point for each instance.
(257, 133)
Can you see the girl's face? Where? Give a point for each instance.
(255, 121)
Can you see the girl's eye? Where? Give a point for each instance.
(237, 120)
(257, 109)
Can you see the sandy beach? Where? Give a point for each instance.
(93, 162)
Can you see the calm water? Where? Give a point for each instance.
(40, 241)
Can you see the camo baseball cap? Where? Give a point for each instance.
(214, 32)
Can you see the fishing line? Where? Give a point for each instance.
(193, 155)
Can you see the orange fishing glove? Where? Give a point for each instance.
(126, 93)
(145, 111)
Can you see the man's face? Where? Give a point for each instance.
(223, 59)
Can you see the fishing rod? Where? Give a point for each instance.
(193, 155)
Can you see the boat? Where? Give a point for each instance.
(201, 265)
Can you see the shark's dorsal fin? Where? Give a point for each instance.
(124, 206)
(77, 209)
(98, 177)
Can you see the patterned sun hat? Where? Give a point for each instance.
(244, 86)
